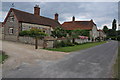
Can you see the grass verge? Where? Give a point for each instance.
(3, 56)
(117, 64)
(77, 47)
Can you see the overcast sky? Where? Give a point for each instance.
(102, 13)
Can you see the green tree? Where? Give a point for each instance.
(36, 33)
(75, 33)
(105, 29)
(59, 32)
(114, 25)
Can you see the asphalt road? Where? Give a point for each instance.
(94, 62)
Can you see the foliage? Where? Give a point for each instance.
(118, 38)
(111, 32)
(59, 32)
(105, 29)
(3, 56)
(23, 33)
(118, 32)
(76, 33)
(114, 26)
(33, 33)
(63, 43)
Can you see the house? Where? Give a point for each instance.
(82, 25)
(17, 20)
(102, 34)
(1, 30)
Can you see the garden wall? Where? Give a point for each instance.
(30, 40)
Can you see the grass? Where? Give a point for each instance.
(3, 56)
(117, 65)
(77, 47)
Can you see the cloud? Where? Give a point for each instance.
(101, 12)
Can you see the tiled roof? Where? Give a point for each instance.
(34, 19)
(73, 25)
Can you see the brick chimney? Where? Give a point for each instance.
(37, 10)
(73, 18)
(56, 16)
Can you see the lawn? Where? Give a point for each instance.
(77, 47)
(3, 56)
(117, 65)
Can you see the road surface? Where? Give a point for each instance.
(95, 62)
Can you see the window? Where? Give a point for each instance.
(11, 18)
(10, 30)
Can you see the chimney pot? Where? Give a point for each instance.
(73, 18)
(56, 16)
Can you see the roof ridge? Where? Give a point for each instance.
(78, 21)
(32, 14)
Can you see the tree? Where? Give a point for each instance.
(118, 32)
(36, 33)
(59, 32)
(114, 25)
(105, 29)
(75, 33)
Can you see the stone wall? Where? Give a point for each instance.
(30, 40)
(10, 37)
(81, 40)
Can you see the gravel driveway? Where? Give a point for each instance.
(25, 54)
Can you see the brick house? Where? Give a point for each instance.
(17, 21)
(82, 25)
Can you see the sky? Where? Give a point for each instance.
(102, 13)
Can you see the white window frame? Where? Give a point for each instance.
(11, 18)
(11, 31)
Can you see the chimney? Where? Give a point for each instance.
(91, 20)
(37, 10)
(73, 18)
(56, 16)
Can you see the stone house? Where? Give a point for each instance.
(102, 34)
(1, 30)
(82, 25)
(17, 20)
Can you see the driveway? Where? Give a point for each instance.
(95, 62)
(20, 54)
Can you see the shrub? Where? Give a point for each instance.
(56, 44)
(77, 43)
(118, 38)
(64, 43)
(23, 33)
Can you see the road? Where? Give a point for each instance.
(95, 62)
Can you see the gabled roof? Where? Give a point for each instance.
(73, 25)
(33, 19)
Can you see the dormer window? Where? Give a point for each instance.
(11, 18)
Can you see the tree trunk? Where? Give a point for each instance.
(73, 41)
(36, 43)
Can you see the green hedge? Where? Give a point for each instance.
(63, 43)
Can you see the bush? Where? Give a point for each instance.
(64, 43)
(23, 33)
(77, 43)
(118, 38)
(56, 44)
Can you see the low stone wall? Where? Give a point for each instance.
(81, 40)
(30, 40)
(10, 37)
